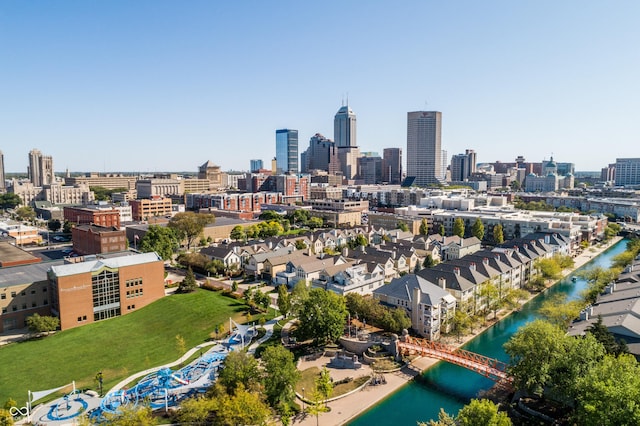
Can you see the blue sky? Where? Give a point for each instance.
(167, 85)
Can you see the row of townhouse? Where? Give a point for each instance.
(432, 296)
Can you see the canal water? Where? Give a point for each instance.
(450, 387)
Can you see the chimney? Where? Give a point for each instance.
(270, 244)
(584, 315)
(472, 266)
(393, 255)
(456, 270)
(461, 242)
(547, 239)
(442, 282)
(485, 261)
(345, 251)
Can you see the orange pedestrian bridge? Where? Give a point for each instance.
(489, 367)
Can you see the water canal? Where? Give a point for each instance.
(449, 386)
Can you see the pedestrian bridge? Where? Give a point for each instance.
(488, 367)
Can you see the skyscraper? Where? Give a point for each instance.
(40, 168)
(424, 153)
(286, 151)
(463, 165)
(322, 154)
(256, 165)
(344, 134)
(3, 185)
(392, 165)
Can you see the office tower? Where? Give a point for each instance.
(370, 169)
(424, 153)
(463, 165)
(40, 168)
(344, 134)
(392, 165)
(322, 154)
(286, 151)
(256, 165)
(627, 171)
(3, 185)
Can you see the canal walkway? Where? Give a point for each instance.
(346, 409)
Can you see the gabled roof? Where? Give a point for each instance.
(402, 288)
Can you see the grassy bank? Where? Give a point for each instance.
(118, 347)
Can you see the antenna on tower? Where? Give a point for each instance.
(342, 103)
(347, 98)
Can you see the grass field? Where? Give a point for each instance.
(118, 347)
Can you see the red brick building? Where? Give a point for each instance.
(103, 288)
(92, 216)
(93, 239)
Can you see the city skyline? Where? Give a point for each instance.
(151, 78)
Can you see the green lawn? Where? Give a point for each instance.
(119, 347)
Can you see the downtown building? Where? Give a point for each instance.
(322, 154)
(287, 151)
(40, 168)
(627, 171)
(392, 166)
(344, 134)
(424, 148)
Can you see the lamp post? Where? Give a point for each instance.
(303, 401)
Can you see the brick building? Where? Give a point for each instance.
(102, 288)
(93, 239)
(93, 215)
(148, 208)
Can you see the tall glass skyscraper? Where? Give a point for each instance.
(424, 152)
(287, 151)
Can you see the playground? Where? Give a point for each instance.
(161, 387)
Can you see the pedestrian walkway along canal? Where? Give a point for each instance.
(449, 386)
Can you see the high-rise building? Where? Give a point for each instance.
(344, 127)
(344, 134)
(286, 151)
(463, 166)
(424, 153)
(3, 185)
(392, 165)
(627, 171)
(40, 168)
(322, 154)
(256, 165)
(370, 169)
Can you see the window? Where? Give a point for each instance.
(3, 296)
(24, 293)
(33, 292)
(44, 289)
(14, 308)
(33, 304)
(13, 294)
(4, 310)
(46, 302)
(79, 319)
(24, 306)
(106, 294)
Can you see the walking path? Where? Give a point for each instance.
(345, 409)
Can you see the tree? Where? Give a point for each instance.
(549, 268)
(424, 227)
(159, 239)
(498, 234)
(322, 316)
(284, 301)
(602, 334)
(482, 412)
(42, 324)
(280, 376)
(359, 241)
(441, 230)
(324, 384)
(25, 213)
(559, 312)
(315, 222)
(533, 351)
(196, 411)
(402, 226)
(300, 244)
(215, 266)
(444, 419)
(189, 225)
(238, 233)
(54, 225)
(269, 215)
(181, 345)
(299, 294)
(458, 227)
(244, 407)
(478, 229)
(66, 227)
(608, 394)
(9, 200)
(461, 323)
(131, 416)
(6, 419)
(240, 369)
(188, 284)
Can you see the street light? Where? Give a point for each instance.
(302, 400)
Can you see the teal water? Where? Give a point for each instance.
(450, 387)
